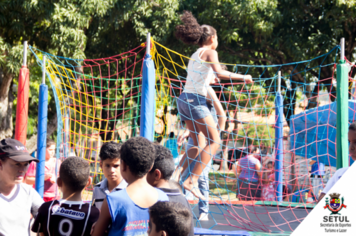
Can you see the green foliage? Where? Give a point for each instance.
(255, 32)
(258, 133)
(250, 98)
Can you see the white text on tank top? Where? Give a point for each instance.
(199, 75)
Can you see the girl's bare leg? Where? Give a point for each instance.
(208, 127)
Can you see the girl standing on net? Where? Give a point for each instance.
(192, 103)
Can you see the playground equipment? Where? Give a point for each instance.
(100, 100)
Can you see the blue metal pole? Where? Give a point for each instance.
(42, 132)
(148, 95)
(279, 142)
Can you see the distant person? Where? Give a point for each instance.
(249, 175)
(160, 176)
(52, 165)
(127, 210)
(68, 216)
(268, 180)
(316, 176)
(17, 200)
(169, 219)
(339, 173)
(172, 145)
(110, 164)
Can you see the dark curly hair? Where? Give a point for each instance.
(74, 173)
(164, 162)
(191, 32)
(110, 150)
(139, 154)
(172, 217)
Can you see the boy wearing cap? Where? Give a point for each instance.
(17, 200)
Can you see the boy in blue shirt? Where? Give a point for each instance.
(127, 210)
(110, 164)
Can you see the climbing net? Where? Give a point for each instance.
(309, 135)
(98, 100)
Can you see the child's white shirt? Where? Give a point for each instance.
(338, 174)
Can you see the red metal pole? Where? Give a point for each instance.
(22, 100)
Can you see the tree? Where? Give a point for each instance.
(250, 32)
(76, 29)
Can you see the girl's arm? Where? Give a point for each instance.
(218, 107)
(212, 56)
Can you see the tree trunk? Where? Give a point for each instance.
(31, 143)
(6, 102)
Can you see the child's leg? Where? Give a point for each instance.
(187, 159)
(208, 127)
(203, 182)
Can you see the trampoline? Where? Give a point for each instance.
(240, 219)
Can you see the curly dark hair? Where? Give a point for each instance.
(191, 32)
(164, 162)
(139, 154)
(172, 217)
(110, 150)
(74, 172)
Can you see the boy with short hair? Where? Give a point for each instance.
(169, 219)
(127, 210)
(160, 175)
(340, 172)
(52, 166)
(110, 164)
(70, 215)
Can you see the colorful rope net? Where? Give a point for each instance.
(237, 197)
(97, 101)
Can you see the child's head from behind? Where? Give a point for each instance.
(50, 148)
(169, 219)
(193, 33)
(163, 166)
(137, 156)
(110, 160)
(352, 140)
(74, 175)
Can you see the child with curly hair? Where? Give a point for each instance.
(192, 103)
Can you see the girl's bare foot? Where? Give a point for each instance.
(176, 174)
(192, 187)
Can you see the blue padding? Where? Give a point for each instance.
(148, 99)
(202, 231)
(41, 138)
(313, 133)
(279, 147)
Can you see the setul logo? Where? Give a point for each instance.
(335, 205)
(335, 222)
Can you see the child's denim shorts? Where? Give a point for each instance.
(194, 107)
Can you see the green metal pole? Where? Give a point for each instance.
(342, 122)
